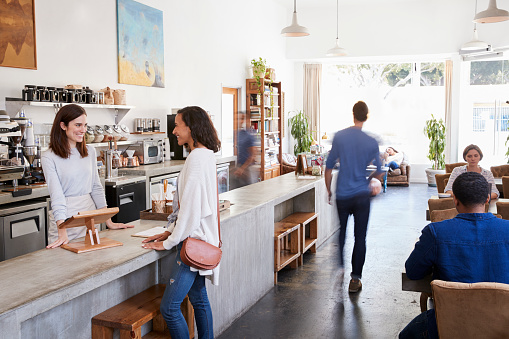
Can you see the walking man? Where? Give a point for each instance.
(354, 150)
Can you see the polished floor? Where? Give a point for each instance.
(313, 301)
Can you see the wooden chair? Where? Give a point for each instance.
(440, 204)
(441, 181)
(450, 167)
(503, 209)
(500, 171)
(505, 186)
(440, 215)
(130, 315)
(479, 310)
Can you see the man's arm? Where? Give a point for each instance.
(328, 180)
(422, 259)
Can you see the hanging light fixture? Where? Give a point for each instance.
(294, 30)
(475, 43)
(336, 50)
(492, 14)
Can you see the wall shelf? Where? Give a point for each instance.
(14, 105)
(148, 133)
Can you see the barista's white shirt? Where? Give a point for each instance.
(197, 216)
(71, 177)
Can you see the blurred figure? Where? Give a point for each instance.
(393, 159)
(243, 174)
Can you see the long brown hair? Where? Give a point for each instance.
(202, 129)
(58, 139)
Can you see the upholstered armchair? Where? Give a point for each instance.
(450, 167)
(500, 171)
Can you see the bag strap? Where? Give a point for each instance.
(218, 217)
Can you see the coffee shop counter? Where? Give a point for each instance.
(55, 293)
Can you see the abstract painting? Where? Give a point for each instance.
(140, 44)
(17, 34)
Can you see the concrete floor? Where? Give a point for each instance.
(313, 301)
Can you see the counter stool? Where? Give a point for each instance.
(308, 237)
(130, 315)
(286, 246)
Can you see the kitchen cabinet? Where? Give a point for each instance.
(13, 106)
(264, 117)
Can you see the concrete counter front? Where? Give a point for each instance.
(55, 293)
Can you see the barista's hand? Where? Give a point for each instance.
(157, 237)
(239, 172)
(117, 225)
(62, 238)
(158, 246)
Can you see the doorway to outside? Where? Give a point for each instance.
(229, 113)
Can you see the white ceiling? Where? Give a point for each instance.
(332, 3)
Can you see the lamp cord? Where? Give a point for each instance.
(295, 6)
(337, 19)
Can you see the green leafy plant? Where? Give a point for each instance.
(507, 153)
(259, 68)
(435, 132)
(300, 132)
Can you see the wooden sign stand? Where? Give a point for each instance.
(92, 241)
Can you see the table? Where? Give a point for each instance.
(422, 285)
(500, 187)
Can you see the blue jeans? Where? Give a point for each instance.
(183, 281)
(392, 165)
(359, 206)
(423, 326)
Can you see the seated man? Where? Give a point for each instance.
(472, 247)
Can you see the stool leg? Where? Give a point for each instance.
(188, 312)
(126, 334)
(302, 242)
(424, 301)
(313, 232)
(101, 332)
(159, 324)
(295, 247)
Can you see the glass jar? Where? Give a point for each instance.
(117, 132)
(99, 134)
(125, 132)
(89, 135)
(108, 133)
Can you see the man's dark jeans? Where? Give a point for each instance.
(359, 206)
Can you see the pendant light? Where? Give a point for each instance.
(492, 14)
(336, 50)
(294, 30)
(475, 43)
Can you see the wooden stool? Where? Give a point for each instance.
(130, 315)
(286, 251)
(309, 237)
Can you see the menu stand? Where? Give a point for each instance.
(92, 241)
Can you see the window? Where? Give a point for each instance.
(400, 96)
(489, 72)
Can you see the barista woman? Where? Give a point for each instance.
(197, 218)
(70, 170)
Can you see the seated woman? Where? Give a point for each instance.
(393, 158)
(472, 155)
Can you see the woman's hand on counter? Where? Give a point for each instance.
(155, 242)
(117, 225)
(62, 237)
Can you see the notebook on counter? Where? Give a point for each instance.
(150, 232)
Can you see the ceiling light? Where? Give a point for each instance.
(336, 50)
(492, 14)
(475, 43)
(294, 30)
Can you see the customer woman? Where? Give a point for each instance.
(70, 169)
(197, 218)
(393, 158)
(472, 155)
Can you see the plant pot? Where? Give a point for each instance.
(270, 74)
(259, 72)
(430, 173)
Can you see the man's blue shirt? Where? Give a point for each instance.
(355, 150)
(470, 248)
(245, 142)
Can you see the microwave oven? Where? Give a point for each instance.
(149, 151)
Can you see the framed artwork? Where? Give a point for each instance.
(140, 44)
(17, 34)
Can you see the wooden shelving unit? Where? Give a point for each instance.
(263, 115)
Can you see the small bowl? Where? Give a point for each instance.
(443, 195)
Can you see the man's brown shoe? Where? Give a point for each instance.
(355, 285)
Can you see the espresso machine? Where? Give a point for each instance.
(12, 160)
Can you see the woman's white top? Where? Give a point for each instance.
(462, 169)
(197, 194)
(397, 158)
(71, 177)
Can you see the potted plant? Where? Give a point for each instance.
(300, 132)
(435, 132)
(259, 68)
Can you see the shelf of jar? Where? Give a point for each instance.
(148, 133)
(14, 105)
